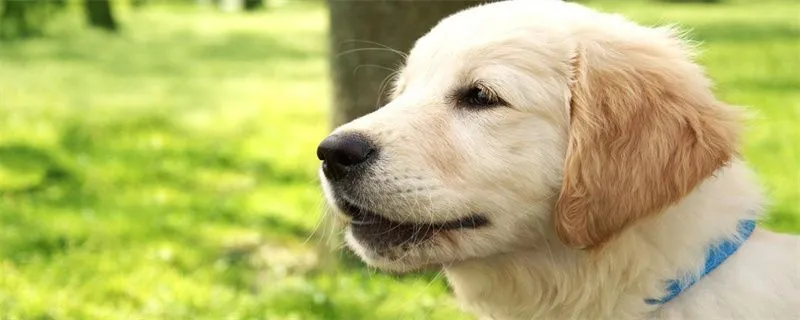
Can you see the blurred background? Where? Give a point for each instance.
(157, 158)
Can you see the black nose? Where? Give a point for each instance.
(341, 153)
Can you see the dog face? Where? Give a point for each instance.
(519, 122)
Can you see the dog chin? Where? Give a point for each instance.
(393, 260)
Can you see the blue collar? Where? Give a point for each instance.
(716, 255)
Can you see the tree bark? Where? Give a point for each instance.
(251, 5)
(358, 30)
(14, 19)
(138, 3)
(98, 13)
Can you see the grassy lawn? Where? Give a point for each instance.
(169, 172)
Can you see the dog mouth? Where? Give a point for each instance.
(380, 232)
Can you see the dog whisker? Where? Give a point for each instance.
(383, 46)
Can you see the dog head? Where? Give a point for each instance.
(518, 122)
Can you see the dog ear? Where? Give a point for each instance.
(645, 131)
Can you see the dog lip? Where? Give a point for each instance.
(469, 222)
(380, 233)
(361, 216)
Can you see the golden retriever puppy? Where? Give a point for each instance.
(561, 163)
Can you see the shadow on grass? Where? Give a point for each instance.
(744, 32)
(286, 228)
(772, 84)
(41, 244)
(783, 221)
(34, 169)
(176, 164)
(247, 46)
(182, 54)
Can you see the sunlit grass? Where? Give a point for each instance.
(169, 172)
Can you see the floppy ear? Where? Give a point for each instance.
(645, 131)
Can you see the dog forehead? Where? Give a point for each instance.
(502, 20)
(482, 34)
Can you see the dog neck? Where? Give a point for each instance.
(556, 282)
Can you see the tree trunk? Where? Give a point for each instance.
(14, 19)
(138, 3)
(26, 18)
(99, 14)
(358, 29)
(251, 5)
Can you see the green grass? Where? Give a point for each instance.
(169, 172)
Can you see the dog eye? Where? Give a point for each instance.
(478, 97)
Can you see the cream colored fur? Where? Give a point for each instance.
(760, 281)
(534, 167)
